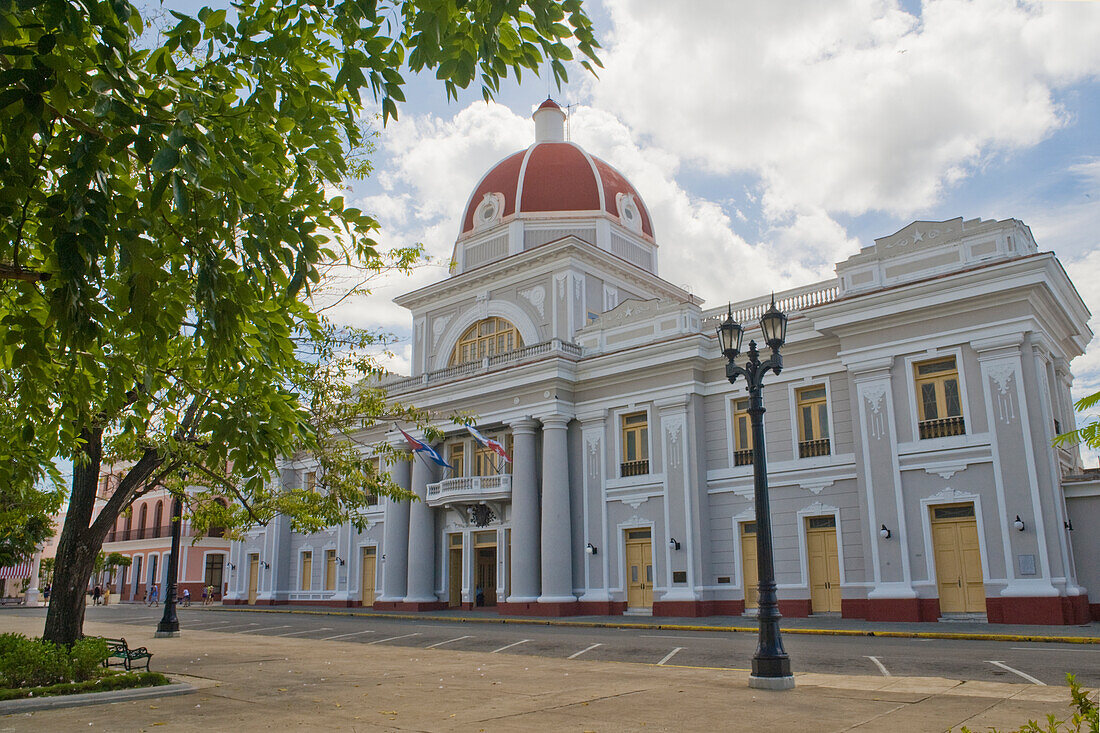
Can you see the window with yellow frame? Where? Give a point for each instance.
(742, 434)
(635, 441)
(486, 338)
(939, 398)
(456, 456)
(311, 481)
(813, 422)
(307, 570)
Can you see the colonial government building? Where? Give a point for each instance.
(908, 437)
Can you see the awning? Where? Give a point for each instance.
(22, 570)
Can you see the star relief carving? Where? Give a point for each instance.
(917, 236)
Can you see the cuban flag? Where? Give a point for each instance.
(419, 446)
(489, 443)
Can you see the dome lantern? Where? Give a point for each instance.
(549, 123)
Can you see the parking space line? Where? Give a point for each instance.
(574, 655)
(266, 628)
(668, 636)
(212, 623)
(509, 646)
(1025, 675)
(670, 655)
(880, 665)
(342, 636)
(237, 626)
(441, 643)
(379, 641)
(303, 631)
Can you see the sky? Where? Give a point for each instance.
(779, 138)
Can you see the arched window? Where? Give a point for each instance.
(126, 526)
(144, 515)
(158, 515)
(486, 338)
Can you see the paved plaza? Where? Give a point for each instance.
(342, 672)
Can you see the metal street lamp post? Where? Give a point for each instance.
(771, 667)
(170, 625)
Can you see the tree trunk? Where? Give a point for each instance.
(77, 548)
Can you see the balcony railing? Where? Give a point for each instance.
(148, 533)
(742, 457)
(535, 352)
(634, 468)
(813, 448)
(470, 489)
(942, 428)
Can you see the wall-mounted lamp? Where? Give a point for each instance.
(1069, 525)
(673, 543)
(885, 533)
(590, 549)
(265, 564)
(231, 566)
(383, 556)
(339, 561)
(1019, 524)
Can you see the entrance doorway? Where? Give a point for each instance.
(253, 577)
(821, 550)
(958, 559)
(454, 571)
(749, 574)
(639, 569)
(366, 575)
(485, 569)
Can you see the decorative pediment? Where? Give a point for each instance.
(919, 234)
(630, 310)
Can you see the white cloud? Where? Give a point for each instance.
(844, 107)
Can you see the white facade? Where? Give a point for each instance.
(613, 397)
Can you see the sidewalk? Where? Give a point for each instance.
(829, 625)
(263, 682)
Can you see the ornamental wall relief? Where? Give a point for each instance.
(875, 395)
(536, 296)
(1002, 373)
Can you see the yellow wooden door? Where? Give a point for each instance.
(367, 573)
(454, 572)
(958, 559)
(824, 562)
(639, 568)
(486, 574)
(749, 575)
(253, 577)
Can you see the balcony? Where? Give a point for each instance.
(942, 428)
(470, 490)
(535, 352)
(634, 468)
(742, 457)
(813, 448)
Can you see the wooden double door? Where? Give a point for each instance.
(958, 559)
(367, 569)
(639, 568)
(824, 564)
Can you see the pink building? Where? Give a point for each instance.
(145, 536)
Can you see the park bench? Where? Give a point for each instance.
(125, 655)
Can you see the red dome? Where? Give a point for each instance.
(554, 176)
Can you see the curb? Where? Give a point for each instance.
(965, 636)
(31, 704)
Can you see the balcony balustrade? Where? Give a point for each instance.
(942, 428)
(470, 490)
(634, 468)
(813, 448)
(742, 457)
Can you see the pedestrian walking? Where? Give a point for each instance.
(154, 596)
(187, 596)
(210, 595)
(96, 593)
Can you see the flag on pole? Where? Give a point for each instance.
(419, 446)
(489, 443)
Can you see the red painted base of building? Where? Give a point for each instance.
(891, 609)
(555, 610)
(416, 607)
(1094, 611)
(1064, 610)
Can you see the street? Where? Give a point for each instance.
(994, 661)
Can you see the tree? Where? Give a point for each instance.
(167, 202)
(1088, 434)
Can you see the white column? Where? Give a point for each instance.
(525, 514)
(421, 557)
(30, 598)
(395, 539)
(557, 551)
